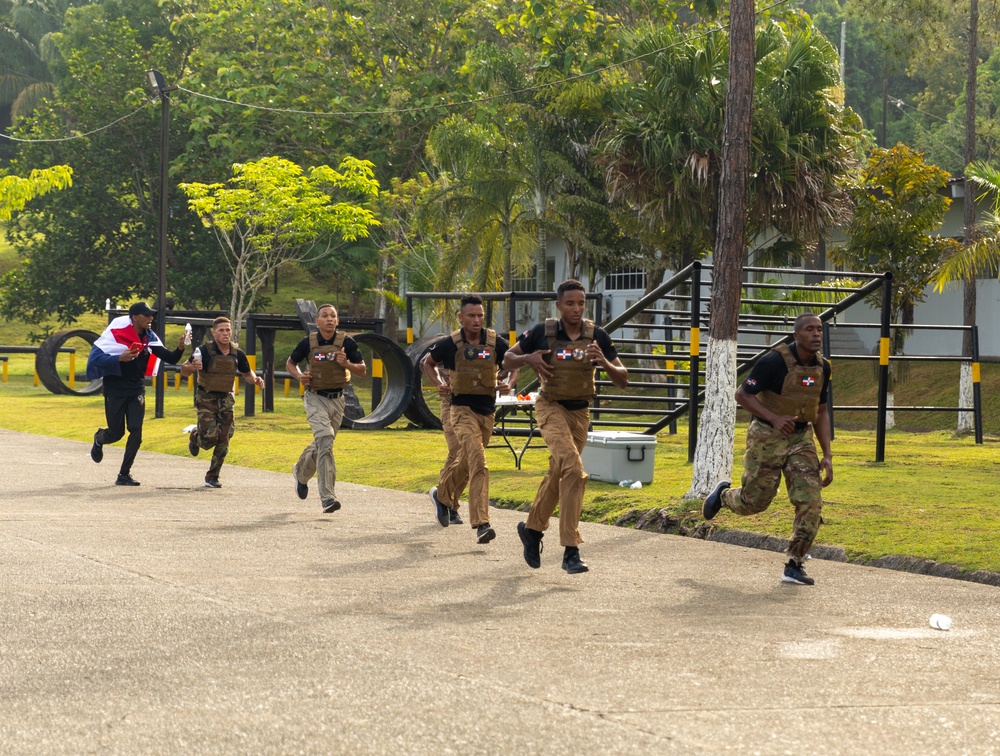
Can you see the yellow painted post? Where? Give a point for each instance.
(72, 370)
(883, 351)
(409, 335)
(5, 371)
(302, 389)
(191, 382)
(236, 387)
(177, 381)
(376, 368)
(288, 386)
(36, 378)
(513, 338)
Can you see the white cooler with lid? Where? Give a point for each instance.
(614, 456)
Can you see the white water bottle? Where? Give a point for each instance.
(196, 355)
(187, 334)
(625, 484)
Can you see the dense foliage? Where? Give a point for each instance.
(492, 130)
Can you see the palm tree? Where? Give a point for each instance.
(982, 256)
(664, 152)
(26, 53)
(490, 199)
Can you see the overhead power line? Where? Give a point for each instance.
(79, 136)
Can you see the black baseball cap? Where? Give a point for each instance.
(141, 308)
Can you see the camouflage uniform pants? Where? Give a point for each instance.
(769, 454)
(216, 425)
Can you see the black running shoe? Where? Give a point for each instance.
(126, 480)
(454, 518)
(212, 483)
(485, 534)
(443, 513)
(794, 573)
(713, 502)
(572, 562)
(301, 489)
(331, 505)
(532, 540)
(193, 444)
(97, 450)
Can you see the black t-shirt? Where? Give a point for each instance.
(769, 375)
(534, 339)
(132, 381)
(301, 351)
(443, 353)
(208, 353)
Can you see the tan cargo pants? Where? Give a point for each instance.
(565, 433)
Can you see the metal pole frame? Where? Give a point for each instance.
(829, 388)
(883, 369)
(695, 355)
(161, 286)
(977, 402)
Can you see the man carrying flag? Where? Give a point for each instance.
(123, 356)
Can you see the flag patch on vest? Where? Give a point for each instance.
(325, 356)
(483, 354)
(564, 354)
(808, 381)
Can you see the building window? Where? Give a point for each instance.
(524, 280)
(625, 278)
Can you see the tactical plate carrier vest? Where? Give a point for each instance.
(475, 365)
(572, 373)
(800, 392)
(324, 372)
(218, 376)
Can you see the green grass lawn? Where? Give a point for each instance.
(929, 500)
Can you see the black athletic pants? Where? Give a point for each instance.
(123, 413)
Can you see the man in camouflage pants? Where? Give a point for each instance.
(786, 393)
(217, 364)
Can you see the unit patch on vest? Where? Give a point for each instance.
(325, 356)
(470, 353)
(579, 354)
(808, 381)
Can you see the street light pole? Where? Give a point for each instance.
(156, 82)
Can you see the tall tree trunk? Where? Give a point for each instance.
(965, 419)
(714, 454)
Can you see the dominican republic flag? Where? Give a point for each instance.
(808, 381)
(564, 354)
(483, 354)
(116, 340)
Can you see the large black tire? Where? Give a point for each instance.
(45, 363)
(398, 376)
(417, 411)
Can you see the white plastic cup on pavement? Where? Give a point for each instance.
(940, 622)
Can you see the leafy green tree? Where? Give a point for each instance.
(16, 192)
(99, 241)
(273, 212)
(489, 192)
(664, 151)
(899, 204)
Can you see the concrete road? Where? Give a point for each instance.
(171, 618)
